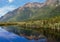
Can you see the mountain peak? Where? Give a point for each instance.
(34, 4)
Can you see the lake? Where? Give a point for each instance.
(6, 36)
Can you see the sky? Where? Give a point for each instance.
(10, 5)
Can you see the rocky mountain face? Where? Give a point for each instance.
(34, 5)
(52, 2)
(31, 10)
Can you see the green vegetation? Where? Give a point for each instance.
(50, 27)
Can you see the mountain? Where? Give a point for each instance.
(32, 11)
(22, 13)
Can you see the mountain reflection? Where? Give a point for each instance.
(6, 36)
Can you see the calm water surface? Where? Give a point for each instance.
(6, 36)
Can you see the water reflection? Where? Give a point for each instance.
(6, 36)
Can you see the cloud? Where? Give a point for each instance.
(5, 9)
(10, 1)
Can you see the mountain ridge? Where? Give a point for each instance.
(29, 11)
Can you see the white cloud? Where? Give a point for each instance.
(5, 9)
(10, 1)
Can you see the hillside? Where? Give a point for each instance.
(31, 11)
(55, 12)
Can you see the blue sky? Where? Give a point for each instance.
(10, 5)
